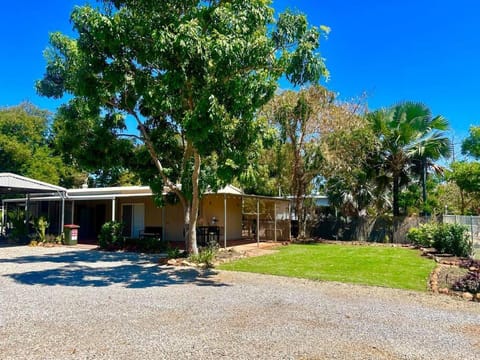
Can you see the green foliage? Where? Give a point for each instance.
(353, 194)
(369, 265)
(445, 238)
(41, 226)
(466, 175)
(173, 252)
(26, 145)
(471, 145)
(206, 255)
(110, 237)
(19, 231)
(409, 139)
(452, 239)
(423, 235)
(347, 145)
(191, 74)
(298, 118)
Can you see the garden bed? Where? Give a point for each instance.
(455, 276)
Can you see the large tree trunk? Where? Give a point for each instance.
(396, 193)
(424, 183)
(186, 224)
(298, 192)
(192, 212)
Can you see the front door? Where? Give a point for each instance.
(133, 218)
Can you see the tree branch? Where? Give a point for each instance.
(153, 154)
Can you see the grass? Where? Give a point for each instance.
(392, 267)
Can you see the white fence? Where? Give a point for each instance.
(473, 224)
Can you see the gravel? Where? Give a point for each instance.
(74, 303)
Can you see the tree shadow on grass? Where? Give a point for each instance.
(99, 269)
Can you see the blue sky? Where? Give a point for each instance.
(424, 50)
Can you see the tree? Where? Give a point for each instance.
(408, 135)
(192, 73)
(25, 144)
(298, 118)
(466, 175)
(347, 145)
(471, 144)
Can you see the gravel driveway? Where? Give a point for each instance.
(71, 303)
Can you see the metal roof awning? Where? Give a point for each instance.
(15, 184)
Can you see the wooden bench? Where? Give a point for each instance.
(152, 232)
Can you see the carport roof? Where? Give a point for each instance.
(15, 184)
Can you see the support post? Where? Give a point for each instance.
(73, 213)
(5, 212)
(163, 222)
(258, 223)
(471, 231)
(290, 220)
(62, 216)
(2, 228)
(27, 205)
(225, 221)
(274, 220)
(113, 209)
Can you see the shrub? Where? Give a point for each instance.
(468, 263)
(150, 245)
(470, 283)
(41, 226)
(19, 232)
(173, 252)
(110, 237)
(452, 239)
(206, 255)
(445, 238)
(423, 235)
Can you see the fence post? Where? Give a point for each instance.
(471, 231)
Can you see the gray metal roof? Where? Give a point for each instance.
(15, 184)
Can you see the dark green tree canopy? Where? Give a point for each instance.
(26, 147)
(471, 144)
(410, 139)
(197, 71)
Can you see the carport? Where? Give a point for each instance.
(14, 185)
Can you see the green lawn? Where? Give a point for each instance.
(370, 265)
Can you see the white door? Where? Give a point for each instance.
(138, 220)
(133, 218)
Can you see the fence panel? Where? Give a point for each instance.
(473, 224)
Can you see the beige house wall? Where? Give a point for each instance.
(173, 222)
(212, 205)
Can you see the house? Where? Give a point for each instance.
(227, 215)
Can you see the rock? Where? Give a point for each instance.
(163, 261)
(172, 262)
(186, 263)
(443, 291)
(477, 297)
(467, 296)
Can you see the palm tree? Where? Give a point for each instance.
(410, 140)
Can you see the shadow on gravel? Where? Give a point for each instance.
(99, 268)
